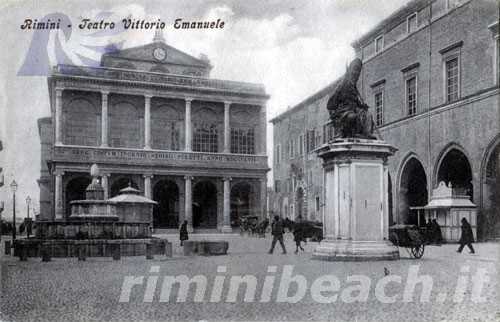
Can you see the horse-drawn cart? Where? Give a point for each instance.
(411, 237)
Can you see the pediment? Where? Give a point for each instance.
(157, 53)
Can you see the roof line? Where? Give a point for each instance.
(322, 92)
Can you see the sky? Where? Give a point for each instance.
(293, 47)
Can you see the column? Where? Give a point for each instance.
(104, 119)
(188, 126)
(147, 122)
(147, 185)
(263, 131)
(188, 202)
(58, 198)
(227, 129)
(226, 208)
(105, 184)
(58, 126)
(263, 197)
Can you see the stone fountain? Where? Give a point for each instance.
(117, 226)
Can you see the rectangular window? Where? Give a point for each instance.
(379, 44)
(242, 140)
(452, 80)
(278, 153)
(301, 145)
(311, 140)
(331, 132)
(318, 139)
(317, 204)
(277, 186)
(292, 148)
(379, 108)
(411, 95)
(205, 138)
(411, 23)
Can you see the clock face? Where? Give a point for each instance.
(159, 54)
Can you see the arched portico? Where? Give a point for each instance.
(241, 194)
(166, 212)
(75, 190)
(412, 190)
(454, 168)
(205, 205)
(489, 219)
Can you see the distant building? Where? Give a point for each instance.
(431, 77)
(151, 117)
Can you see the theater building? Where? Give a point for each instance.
(151, 117)
(431, 77)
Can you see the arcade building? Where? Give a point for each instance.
(152, 118)
(431, 76)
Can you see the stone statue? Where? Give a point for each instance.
(350, 115)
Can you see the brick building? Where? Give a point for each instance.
(151, 117)
(431, 76)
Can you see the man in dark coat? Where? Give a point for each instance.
(467, 237)
(298, 234)
(436, 232)
(183, 233)
(277, 231)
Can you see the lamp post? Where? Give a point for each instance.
(13, 187)
(28, 221)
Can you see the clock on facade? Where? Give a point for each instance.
(159, 53)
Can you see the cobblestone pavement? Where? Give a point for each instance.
(68, 290)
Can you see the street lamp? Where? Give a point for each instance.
(28, 219)
(13, 187)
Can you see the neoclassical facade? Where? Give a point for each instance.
(151, 117)
(431, 77)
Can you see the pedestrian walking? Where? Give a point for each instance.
(298, 234)
(277, 231)
(436, 232)
(183, 232)
(467, 237)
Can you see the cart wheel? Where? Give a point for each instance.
(417, 251)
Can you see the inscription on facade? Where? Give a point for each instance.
(73, 154)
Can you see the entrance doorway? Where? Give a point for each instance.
(166, 212)
(240, 202)
(75, 190)
(205, 205)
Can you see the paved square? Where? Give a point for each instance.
(68, 290)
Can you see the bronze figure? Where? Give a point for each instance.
(350, 115)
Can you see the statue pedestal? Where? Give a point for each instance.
(355, 219)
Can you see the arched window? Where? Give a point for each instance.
(81, 123)
(243, 126)
(166, 127)
(125, 125)
(206, 131)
